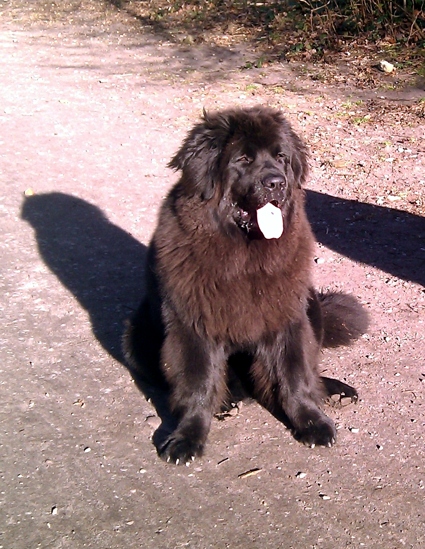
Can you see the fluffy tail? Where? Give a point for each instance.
(344, 319)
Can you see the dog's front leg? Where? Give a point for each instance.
(196, 372)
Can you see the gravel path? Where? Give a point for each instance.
(93, 104)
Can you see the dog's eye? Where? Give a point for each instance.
(282, 157)
(245, 159)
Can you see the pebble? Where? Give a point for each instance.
(386, 67)
(153, 421)
(346, 401)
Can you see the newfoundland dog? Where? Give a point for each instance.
(229, 285)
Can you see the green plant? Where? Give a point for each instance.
(361, 119)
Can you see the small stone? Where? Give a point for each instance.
(300, 474)
(54, 510)
(324, 496)
(153, 421)
(386, 67)
(346, 401)
(339, 163)
(354, 429)
(235, 409)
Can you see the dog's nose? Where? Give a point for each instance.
(272, 181)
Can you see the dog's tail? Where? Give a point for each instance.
(344, 319)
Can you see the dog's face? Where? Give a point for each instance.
(251, 161)
(258, 173)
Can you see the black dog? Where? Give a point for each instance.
(229, 282)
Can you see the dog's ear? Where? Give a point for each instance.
(299, 160)
(299, 151)
(199, 155)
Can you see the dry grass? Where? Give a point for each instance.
(401, 20)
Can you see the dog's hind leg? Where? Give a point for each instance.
(334, 388)
(286, 380)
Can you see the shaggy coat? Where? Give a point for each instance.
(221, 293)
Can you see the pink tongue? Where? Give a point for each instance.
(269, 219)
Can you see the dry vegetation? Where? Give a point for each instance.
(291, 26)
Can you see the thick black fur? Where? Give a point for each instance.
(221, 294)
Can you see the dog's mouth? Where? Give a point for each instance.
(265, 221)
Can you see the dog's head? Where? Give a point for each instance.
(251, 160)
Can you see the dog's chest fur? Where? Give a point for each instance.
(230, 289)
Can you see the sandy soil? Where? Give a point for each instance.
(93, 104)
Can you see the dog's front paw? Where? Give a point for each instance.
(318, 431)
(180, 450)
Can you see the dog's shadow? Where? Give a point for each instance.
(388, 239)
(98, 262)
(103, 266)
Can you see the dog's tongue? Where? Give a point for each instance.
(269, 219)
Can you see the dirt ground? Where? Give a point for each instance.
(93, 104)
